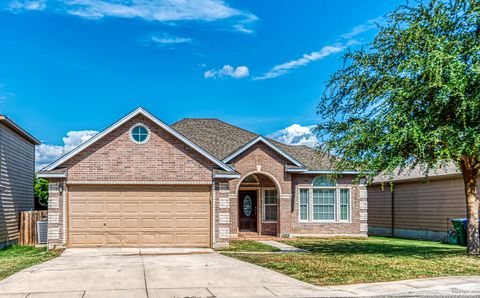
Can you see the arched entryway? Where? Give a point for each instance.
(258, 205)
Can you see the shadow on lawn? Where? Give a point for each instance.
(386, 248)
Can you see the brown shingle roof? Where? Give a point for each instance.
(217, 137)
(222, 139)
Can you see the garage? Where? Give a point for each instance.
(138, 216)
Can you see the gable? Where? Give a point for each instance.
(260, 154)
(156, 121)
(266, 142)
(115, 157)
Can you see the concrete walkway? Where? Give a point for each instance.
(109, 273)
(285, 248)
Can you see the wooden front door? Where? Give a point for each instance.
(247, 211)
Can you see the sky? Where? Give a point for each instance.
(70, 68)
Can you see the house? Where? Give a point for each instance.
(17, 168)
(198, 182)
(415, 206)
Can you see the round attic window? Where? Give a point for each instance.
(139, 133)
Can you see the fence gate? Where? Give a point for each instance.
(28, 226)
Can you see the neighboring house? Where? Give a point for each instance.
(415, 206)
(17, 169)
(198, 182)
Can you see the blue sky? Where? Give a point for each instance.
(76, 66)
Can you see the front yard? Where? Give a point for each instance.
(348, 261)
(16, 258)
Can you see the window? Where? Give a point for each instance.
(344, 204)
(270, 203)
(139, 134)
(323, 204)
(304, 204)
(324, 201)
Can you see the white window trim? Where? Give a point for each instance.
(135, 126)
(263, 205)
(308, 204)
(349, 220)
(337, 205)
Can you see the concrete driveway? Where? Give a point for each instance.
(148, 273)
(110, 273)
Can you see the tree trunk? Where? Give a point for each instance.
(469, 173)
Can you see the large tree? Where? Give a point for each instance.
(411, 97)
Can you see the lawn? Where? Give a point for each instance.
(348, 261)
(248, 246)
(16, 258)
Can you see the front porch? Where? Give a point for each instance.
(257, 209)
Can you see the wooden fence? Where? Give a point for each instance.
(28, 226)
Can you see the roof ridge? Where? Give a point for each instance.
(229, 124)
(219, 120)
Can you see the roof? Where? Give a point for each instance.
(220, 142)
(23, 133)
(418, 173)
(132, 114)
(217, 137)
(223, 139)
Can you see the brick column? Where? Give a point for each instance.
(363, 206)
(221, 214)
(285, 205)
(56, 213)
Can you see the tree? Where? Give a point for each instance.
(41, 193)
(411, 97)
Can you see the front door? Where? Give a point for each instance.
(248, 211)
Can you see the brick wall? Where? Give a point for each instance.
(262, 159)
(222, 216)
(357, 225)
(259, 158)
(57, 218)
(116, 158)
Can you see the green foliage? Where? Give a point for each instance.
(248, 246)
(410, 97)
(16, 258)
(336, 261)
(41, 191)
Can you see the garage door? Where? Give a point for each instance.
(139, 216)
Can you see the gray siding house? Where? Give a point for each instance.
(416, 207)
(17, 168)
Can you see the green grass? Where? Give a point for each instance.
(348, 261)
(16, 258)
(248, 246)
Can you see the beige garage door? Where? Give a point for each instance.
(118, 216)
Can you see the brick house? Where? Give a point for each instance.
(198, 182)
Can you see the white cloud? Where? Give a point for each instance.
(347, 40)
(19, 5)
(46, 154)
(296, 134)
(285, 68)
(4, 94)
(169, 40)
(228, 71)
(367, 26)
(149, 10)
(242, 28)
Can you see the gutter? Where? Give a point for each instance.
(227, 176)
(306, 171)
(51, 175)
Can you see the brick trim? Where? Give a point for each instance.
(142, 182)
